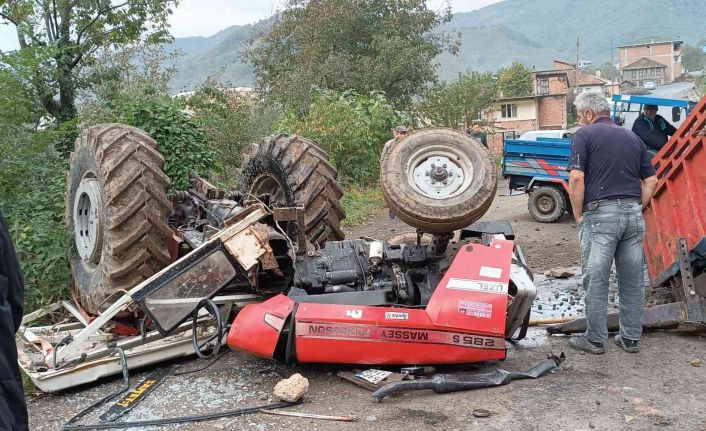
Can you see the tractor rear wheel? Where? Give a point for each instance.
(116, 210)
(438, 180)
(546, 204)
(292, 170)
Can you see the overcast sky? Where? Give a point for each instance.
(207, 17)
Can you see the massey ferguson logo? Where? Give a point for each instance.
(396, 315)
(354, 314)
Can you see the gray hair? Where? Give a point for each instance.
(594, 101)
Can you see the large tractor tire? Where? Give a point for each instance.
(293, 171)
(438, 180)
(117, 210)
(546, 204)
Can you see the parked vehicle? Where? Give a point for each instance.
(556, 134)
(649, 85)
(538, 167)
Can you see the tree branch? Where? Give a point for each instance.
(20, 34)
(100, 13)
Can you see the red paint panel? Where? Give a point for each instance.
(331, 333)
(678, 208)
(473, 292)
(256, 328)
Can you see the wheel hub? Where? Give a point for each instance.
(438, 176)
(88, 219)
(269, 185)
(545, 204)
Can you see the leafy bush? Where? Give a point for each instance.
(32, 186)
(180, 140)
(230, 122)
(351, 128)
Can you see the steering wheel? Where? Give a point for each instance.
(201, 347)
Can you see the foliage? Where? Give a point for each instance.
(361, 203)
(609, 71)
(458, 103)
(515, 80)
(693, 58)
(359, 45)
(61, 36)
(351, 127)
(230, 122)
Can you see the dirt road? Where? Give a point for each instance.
(657, 389)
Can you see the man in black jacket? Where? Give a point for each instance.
(13, 410)
(653, 129)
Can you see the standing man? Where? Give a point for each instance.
(607, 164)
(478, 133)
(13, 410)
(399, 133)
(653, 129)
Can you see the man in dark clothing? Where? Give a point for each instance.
(653, 129)
(607, 164)
(13, 411)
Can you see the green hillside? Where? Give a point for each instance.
(533, 32)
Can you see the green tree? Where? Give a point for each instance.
(230, 122)
(61, 36)
(361, 45)
(352, 128)
(458, 103)
(515, 80)
(609, 71)
(693, 58)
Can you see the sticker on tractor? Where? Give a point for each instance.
(396, 315)
(354, 314)
(482, 310)
(477, 285)
(491, 272)
(340, 331)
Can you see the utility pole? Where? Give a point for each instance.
(612, 62)
(576, 80)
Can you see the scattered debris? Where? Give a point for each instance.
(696, 362)
(353, 378)
(310, 416)
(629, 418)
(559, 273)
(443, 383)
(481, 413)
(371, 418)
(373, 376)
(291, 389)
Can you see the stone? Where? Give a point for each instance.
(560, 273)
(537, 229)
(291, 389)
(696, 362)
(371, 418)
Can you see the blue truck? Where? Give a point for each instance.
(539, 167)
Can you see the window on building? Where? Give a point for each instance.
(508, 110)
(634, 73)
(509, 135)
(652, 72)
(659, 72)
(544, 86)
(642, 73)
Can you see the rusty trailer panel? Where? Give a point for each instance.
(678, 208)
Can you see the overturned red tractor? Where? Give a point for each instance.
(160, 271)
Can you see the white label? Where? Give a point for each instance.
(482, 310)
(373, 376)
(477, 285)
(355, 314)
(491, 272)
(396, 315)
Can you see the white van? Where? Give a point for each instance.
(534, 134)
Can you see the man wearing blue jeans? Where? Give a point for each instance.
(607, 164)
